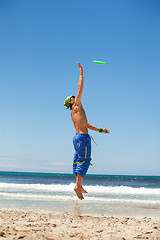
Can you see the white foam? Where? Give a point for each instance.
(98, 189)
(38, 187)
(69, 198)
(123, 190)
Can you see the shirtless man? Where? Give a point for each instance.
(82, 140)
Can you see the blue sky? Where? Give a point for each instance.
(41, 44)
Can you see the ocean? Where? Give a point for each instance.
(107, 194)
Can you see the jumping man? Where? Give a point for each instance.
(81, 140)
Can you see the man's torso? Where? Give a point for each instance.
(79, 119)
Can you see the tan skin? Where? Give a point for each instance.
(81, 125)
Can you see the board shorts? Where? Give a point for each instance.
(82, 156)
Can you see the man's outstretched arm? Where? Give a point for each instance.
(91, 127)
(80, 85)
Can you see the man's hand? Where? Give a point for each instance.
(105, 130)
(80, 68)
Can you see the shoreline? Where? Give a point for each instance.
(48, 225)
(77, 211)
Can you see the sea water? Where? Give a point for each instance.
(107, 194)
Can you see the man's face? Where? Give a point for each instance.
(72, 100)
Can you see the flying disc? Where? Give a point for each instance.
(99, 62)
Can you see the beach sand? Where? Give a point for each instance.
(34, 224)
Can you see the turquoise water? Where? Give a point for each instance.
(107, 194)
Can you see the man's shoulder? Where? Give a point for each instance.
(78, 104)
(77, 107)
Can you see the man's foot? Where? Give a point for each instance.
(78, 191)
(83, 190)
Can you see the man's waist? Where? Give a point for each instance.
(81, 136)
(83, 132)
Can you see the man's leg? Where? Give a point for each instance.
(78, 187)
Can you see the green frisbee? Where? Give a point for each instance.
(99, 62)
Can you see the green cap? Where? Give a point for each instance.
(66, 101)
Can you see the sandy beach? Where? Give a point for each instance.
(28, 225)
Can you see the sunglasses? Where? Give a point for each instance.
(70, 105)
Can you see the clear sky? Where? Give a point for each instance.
(41, 43)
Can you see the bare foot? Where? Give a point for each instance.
(78, 191)
(83, 190)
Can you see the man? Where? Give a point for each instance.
(82, 140)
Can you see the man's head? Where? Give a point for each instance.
(69, 101)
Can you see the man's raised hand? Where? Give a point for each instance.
(80, 68)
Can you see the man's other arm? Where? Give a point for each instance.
(91, 127)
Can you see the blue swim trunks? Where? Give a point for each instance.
(82, 156)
